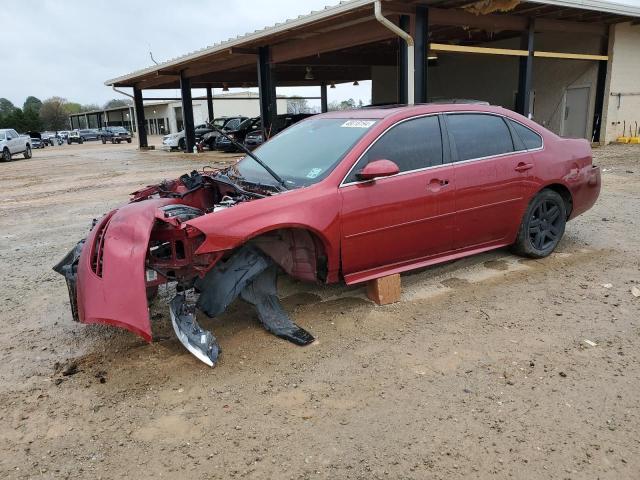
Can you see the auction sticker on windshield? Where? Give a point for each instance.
(358, 124)
(314, 172)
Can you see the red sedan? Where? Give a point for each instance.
(345, 196)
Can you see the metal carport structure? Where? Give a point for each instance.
(346, 42)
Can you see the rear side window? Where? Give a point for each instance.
(530, 139)
(412, 145)
(479, 135)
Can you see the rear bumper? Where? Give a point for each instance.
(587, 190)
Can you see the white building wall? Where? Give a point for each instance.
(624, 79)
(244, 104)
(494, 78)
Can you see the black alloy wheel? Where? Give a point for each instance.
(543, 225)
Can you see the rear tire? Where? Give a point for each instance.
(182, 145)
(27, 153)
(104, 141)
(128, 140)
(543, 225)
(6, 155)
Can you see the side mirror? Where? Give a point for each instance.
(378, 169)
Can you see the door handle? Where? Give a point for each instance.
(523, 167)
(436, 184)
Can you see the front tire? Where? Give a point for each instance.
(27, 153)
(6, 155)
(543, 225)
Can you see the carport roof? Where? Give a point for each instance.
(351, 13)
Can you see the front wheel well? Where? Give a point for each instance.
(300, 252)
(565, 193)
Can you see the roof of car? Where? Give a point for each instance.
(384, 111)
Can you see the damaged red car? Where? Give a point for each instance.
(346, 196)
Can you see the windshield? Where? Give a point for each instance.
(305, 153)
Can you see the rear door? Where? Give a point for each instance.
(406, 217)
(490, 178)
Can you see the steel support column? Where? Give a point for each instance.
(525, 73)
(421, 38)
(267, 89)
(599, 106)
(403, 61)
(324, 100)
(140, 122)
(210, 103)
(187, 113)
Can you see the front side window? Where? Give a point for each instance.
(530, 139)
(2, 137)
(305, 153)
(13, 134)
(412, 145)
(478, 135)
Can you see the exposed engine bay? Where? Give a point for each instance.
(208, 282)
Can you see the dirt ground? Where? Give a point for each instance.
(482, 371)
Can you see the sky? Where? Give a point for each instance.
(69, 48)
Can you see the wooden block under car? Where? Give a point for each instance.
(385, 290)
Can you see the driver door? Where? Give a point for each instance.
(392, 222)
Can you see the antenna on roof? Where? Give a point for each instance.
(151, 55)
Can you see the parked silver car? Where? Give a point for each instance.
(11, 144)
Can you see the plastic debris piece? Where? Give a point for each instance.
(591, 343)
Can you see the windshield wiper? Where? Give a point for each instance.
(249, 153)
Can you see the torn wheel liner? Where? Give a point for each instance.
(248, 274)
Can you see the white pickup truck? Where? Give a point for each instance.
(11, 144)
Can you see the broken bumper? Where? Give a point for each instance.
(105, 273)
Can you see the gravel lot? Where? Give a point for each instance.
(482, 371)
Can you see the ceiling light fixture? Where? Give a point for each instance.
(309, 75)
(356, 83)
(225, 87)
(333, 85)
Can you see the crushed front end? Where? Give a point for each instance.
(131, 251)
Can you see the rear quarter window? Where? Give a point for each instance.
(479, 135)
(530, 139)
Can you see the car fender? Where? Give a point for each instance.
(314, 209)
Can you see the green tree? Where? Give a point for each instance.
(54, 113)
(32, 122)
(89, 107)
(73, 107)
(117, 102)
(32, 104)
(6, 107)
(6, 111)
